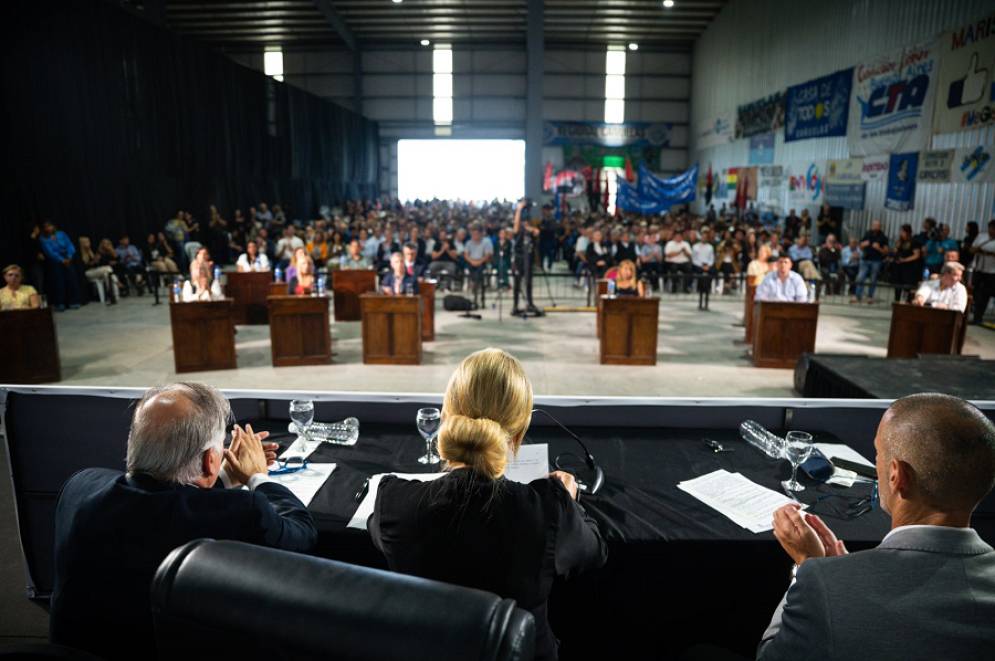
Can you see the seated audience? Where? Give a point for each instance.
(252, 259)
(130, 259)
(14, 295)
(928, 590)
(399, 280)
(937, 247)
(287, 246)
(297, 256)
(599, 255)
(850, 262)
(782, 284)
(113, 529)
(650, 258)
(412, 266)
(477, 253)
(317, 247)
(354, 259)
(98, 272)
(947, 293)
(626, 283)
(303, 282)
(386, 248)
(201, 288)
(474, 528)
(801, 254)
(829, 265)
(677, 260)
(60, 279)
(158, 254)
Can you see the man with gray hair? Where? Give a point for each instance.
(928, 590)
(113, 529)
(946, 293)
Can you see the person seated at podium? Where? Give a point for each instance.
(14, 295)
(399, 280)
(303, 283)
(947, 293)
(760, 266)
(201, 288)
(252, 259)
(782, 284)
(354, 259)
(202, 258)
(473, 527)
(626, 283)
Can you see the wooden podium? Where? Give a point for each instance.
(628, 329)
(392, 329)
(248, 292)
(751, 292)
(203, 335)
(299, 331)
(916, 330)
(782, 332)
(31, 347)
(602, 289)
(426, 289)
(347, 286)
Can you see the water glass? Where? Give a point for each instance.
(302, 414)
(428, 421)
(797, 449)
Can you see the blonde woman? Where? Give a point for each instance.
(474, 528)
(14, 295)
(626, 283)
(759, 267)
(98, 272)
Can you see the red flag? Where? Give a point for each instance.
(742, 184)
(630, 174)
(547, 178)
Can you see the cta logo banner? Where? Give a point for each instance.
(818, 108)
(891, 109)
(966, 90)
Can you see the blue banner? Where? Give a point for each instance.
(848, 196)
(818, 108)
(679, 187)
(762, 149)
(901, 181)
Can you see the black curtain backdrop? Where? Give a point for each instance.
(111, 124)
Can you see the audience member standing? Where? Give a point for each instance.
(984, 271)
(703, 261)
(875, 247)
(827, 223)
(906, 260)
(63, 287)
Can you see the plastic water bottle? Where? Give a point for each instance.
(925, 274)
(756, 435)
(278, 274)
(321, 285)
(217, 273)
(811, 292)
(177, 291)
(345, 432)
(611, 289)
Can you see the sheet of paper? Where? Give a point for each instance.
(842, 477)
(365, 508)
(300, 448)
(304, 484)
(842, 451)
(532, 463)
(743, 501)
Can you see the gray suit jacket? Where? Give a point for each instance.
(924, 593)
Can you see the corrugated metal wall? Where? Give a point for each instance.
(758, 47)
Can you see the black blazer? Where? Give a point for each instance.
(113, 530)
(388, 281)
(508, 538)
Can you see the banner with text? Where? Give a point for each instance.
(891, 108)
(965, 97)
(973, 165)
(805, 183)
(934, 166)
(762, 149)
(875, 167)
(715, 132)
(771, 178)
(818, 108)
(760, 116)
(901, 191)
(845, 186)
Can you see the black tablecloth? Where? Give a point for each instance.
(864, 377)
(678, 571)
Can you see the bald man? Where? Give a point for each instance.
(928, 590)
(113, 529)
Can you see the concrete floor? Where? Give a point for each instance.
(131, 345)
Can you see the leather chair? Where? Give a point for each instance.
(239, 601)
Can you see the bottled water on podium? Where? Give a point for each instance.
(177, 291)
(345, 432)
(321, 286)
(756, 435)
(278, 274)
(611, 289)
(217, 273)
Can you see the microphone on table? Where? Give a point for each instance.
(594, 486)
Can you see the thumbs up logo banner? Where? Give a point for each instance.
(966, 91)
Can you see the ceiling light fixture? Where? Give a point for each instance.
(397, 2)
(424, 42)
(633, 46)
(666, 3)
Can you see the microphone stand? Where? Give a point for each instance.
(598, 479)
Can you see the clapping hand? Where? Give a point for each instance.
(247, 456)
(805, 536)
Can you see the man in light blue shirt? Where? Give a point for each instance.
(800, 250)
(783, 284)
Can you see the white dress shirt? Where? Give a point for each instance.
(703, 254)
(260, 263)
(791, 290)
(680, 247)
(951, 298)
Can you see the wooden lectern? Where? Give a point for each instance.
(31, 347)
(392, 332)
(278, 289)
(751, 292)
(426, 289)
(203, 335)
(916, 330)
(782, 332)
(248, 292)
(347, 286)
(628, 330)
(299, 331)
(602, 289)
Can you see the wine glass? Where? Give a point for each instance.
(428, 421)
(302, 414)
(797, 448)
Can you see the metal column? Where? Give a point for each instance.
(533, 102)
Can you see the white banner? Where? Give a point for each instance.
(965, 96)
(716, 131)
(844, 171)
(805, 183)
(875, 167)
(934, 166)
(973, 165)
(891, 107)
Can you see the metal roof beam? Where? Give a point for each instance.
(339, 25)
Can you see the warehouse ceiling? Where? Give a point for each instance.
(252, 25)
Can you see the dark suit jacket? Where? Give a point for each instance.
(113, 530)
(388, 281)
(925, 593)
(508, 538)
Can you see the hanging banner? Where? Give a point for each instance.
(651, 185)
(715, 132)
(607, 135)
(746, 183)
(805, 183)
(641, 200)
(934, 166)
(762, 149)
(760, 116)
(771, 177)
(845, 186)
(901, 190)
(818, 108)
(973, 165)
(875, 167)
(965, 97)
(891, 108)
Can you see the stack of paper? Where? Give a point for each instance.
(745, 502)
(305, 483)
